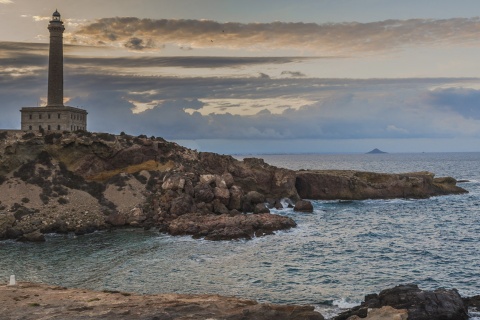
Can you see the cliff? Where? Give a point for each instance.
(81, 182)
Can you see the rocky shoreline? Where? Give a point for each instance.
(27, 300)
(81, 182)
(38, 301)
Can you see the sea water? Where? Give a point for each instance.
(334, 256)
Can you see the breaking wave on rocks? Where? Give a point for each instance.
(335, 256)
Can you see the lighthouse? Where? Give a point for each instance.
(55, 61)
(55, 116)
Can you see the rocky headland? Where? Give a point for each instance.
(81, 182)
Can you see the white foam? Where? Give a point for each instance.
(344, 304)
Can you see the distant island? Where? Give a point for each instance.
(376, 151)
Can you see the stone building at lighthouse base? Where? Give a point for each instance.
(53, 119)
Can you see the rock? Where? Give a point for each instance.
(181, 205)
(136, 216)
(35, 236)
(116, 219)
(472, 302)
(38, 301)
(175, 182)
(207, 178)
(261, 208)
(236, 195)
(226, 227)
(203, 193)
(219, 207)
(222, 194)
(303, 206)
(254, 197)
(229, 180)
(358, 185)
(384, 313)
(440, 304)
(6, 222)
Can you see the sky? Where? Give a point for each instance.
(241, 77)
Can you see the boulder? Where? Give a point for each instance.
(116, 219)
(261, 208)
(222, 194)
(384, 313)
(303, 206)
(35, 236)
(207, 178)
(254, 197)
(472, 302)
(175, 182)
(6, 221)
(181, 205)
(440, 304)
(236, 195)
(219, 207)
(203, 193)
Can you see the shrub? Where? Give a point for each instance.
(3, 135)
(25, 200)
(62, 200)
(28, 135)
(141, 178)
(44, 158)
(106, 136)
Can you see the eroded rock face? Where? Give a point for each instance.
(440, 304)
(37, 301)
(356, 185)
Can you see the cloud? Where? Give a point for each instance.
(330, 38)
(293, 73)
(285, 108)
(464, 101)
(5, 1)
(183, 62)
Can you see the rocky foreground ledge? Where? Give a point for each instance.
(81, 182)
(37, 301)
(408, 301)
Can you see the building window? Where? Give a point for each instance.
(29, 127)
(39, 127)
(49, 116)
(30, 116)
(59, 116)
(39, 116)
(58, 127)
(72, 128)
(49, 127)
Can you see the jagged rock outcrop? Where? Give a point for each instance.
(30, 301)
(358, 185)
(440, 304)
(81, 182)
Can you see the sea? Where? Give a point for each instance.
(332, 259)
